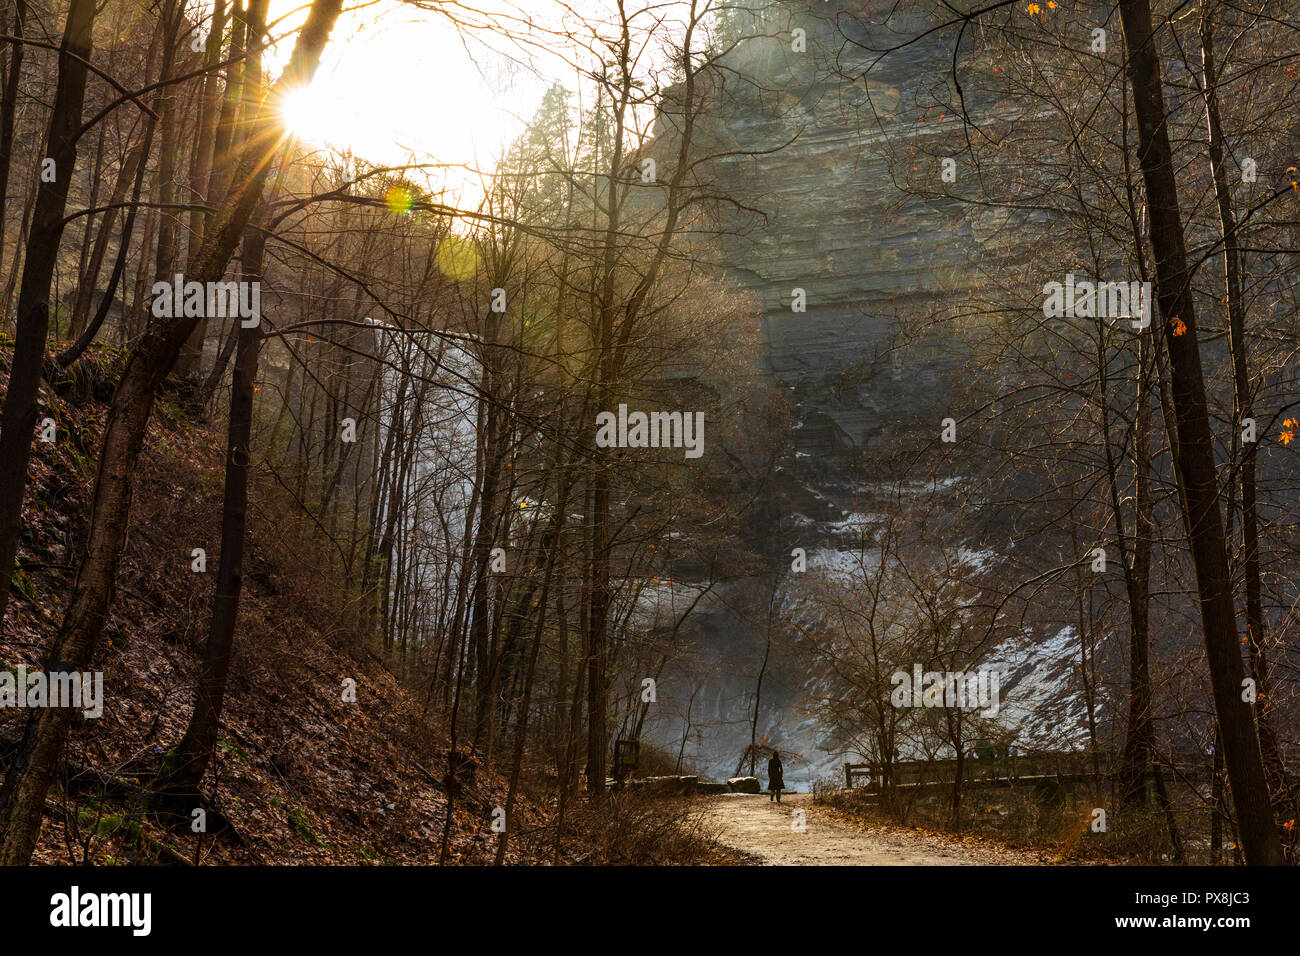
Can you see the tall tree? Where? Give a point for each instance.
(1242, 408)
(18, 429)
(1195, 459)
(184, 768)
(9, 108)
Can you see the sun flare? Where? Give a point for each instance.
(309, 116)
(395, 93)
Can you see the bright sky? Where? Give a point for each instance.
(396, 80)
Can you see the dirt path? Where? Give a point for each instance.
(753, 825)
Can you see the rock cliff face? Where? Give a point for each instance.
(831, 160)
(821, 143)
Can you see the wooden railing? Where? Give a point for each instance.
(1008, 769)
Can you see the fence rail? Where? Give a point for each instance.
(1005, 769)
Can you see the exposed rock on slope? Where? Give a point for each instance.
(812, 147)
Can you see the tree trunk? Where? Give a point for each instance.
(168, 149)
(490, 455)
(90, 275)
(1196, 468)
(184, 767)
(224, 148)
(959, 771)
(138, 163)
(598, 640)
(1217, 809)
(85, 283)
(762, 671)
(516, 763)
(1139, 744)
(8, 111)
(209, 112)
(1242, 408)
(19, 423)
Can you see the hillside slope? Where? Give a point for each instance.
(302, 776)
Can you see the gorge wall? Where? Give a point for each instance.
(818, 142)
(816, 148)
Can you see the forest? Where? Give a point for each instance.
(706, 432)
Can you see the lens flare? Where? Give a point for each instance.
(457, 258)
(399, 200)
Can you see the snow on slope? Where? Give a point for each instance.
(1042, 694)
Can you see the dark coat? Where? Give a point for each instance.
(775, 774)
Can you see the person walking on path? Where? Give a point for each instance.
(775, 777)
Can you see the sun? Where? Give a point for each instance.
(309, 115)
(393, 90)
